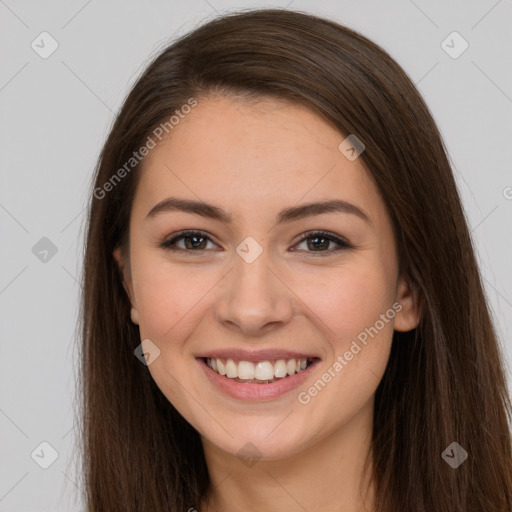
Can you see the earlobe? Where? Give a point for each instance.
(409, 315)
(134, 314)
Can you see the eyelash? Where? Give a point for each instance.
(343, 244)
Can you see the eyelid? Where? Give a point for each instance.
(326, 234)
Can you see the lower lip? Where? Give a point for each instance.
(256, 392)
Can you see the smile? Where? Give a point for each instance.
(261, 372)
(258, 380)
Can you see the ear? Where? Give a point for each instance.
(408, 317)
(125, 274)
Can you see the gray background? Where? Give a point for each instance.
(57, 111)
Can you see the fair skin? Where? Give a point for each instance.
(252, 161)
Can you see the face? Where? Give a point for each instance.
(263, 279)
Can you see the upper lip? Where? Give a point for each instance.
(267, 354)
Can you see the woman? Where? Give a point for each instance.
(228, 366)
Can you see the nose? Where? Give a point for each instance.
(255, 298)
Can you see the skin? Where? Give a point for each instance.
(253, 160)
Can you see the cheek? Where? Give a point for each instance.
(350, 307)
(168, 297)
(350, 300)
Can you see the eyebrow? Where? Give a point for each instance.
(287, 215)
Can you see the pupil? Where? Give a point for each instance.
(195, 239)
(315, 239)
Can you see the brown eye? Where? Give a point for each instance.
(319, 242)
(193, 241)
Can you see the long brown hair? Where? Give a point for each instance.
(444, 381)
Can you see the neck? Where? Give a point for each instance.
(327, 475)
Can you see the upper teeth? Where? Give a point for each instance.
(263, 370)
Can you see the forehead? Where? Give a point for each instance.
(250, 157)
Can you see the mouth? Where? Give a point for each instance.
(257, 380)
(261, 372)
